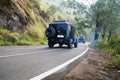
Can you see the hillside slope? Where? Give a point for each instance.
(28, 16)
(17, 15)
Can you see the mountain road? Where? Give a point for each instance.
(26, 62)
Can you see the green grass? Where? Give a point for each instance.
(5, 43)
(33, 37)
(112, 48)
(116, 61)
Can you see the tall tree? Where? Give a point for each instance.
(104, 15)
(78, 11)
(107, 14)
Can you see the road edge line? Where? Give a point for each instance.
(59, 67)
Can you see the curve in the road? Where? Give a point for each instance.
(49, 72)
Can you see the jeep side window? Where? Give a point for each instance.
(72, 32)
(73, 29)
(68, 31)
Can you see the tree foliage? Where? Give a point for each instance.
(77, 10)
(106, 17)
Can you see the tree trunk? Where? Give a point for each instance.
(109, 36)
(104, 33)
(103, 36)
(96, 36)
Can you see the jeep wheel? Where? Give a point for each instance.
(69, 44)
(50, 32)
(50, 44)
(76, 43)
(84, 42)
(60, 44)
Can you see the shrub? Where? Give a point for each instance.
(116, 61)
(4, 31)
(32, 37)
(6, 35)
(35, 33)
(1, 38)
(115, 44)
(113, 48)
(1, 42)
(7, 43)
(8, 38)
(25, 36)
(103, 44)
(13, 37)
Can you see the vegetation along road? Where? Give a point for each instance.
(26, 62)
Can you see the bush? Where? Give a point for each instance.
(4, 31)
(113, 48)
(4, 34)
(103, 45)
(9, 36)
(26, 37)
(5, 43)
(1, 42)
(1, 38)
(35, 33)
(32, 37)
(116, 61)
(115, 43)
(13, 37)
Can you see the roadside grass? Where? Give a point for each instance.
(112, 49)
(5, 43)
(8, 38)
(25, 42)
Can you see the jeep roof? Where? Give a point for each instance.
(59, 22)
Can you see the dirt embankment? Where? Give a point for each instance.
(93, 68)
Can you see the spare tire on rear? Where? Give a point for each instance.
(50, 32)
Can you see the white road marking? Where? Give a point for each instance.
(49, 72)
(21, 54)
(11, 48)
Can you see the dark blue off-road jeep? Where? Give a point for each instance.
(61, 32)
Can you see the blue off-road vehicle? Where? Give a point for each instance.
(81, 39)
(61, 32)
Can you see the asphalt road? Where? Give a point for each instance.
(26, 62)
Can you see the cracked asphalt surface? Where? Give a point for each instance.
(26, 62)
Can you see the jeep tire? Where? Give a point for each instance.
(69, 44)
(76, 43)
(50, 44)
(60, 44)
(50, 32)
